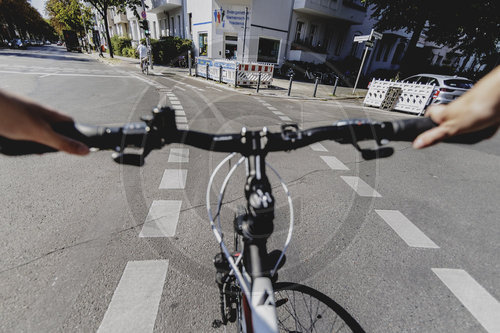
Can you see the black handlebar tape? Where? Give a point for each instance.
(409, 129)
(92, 136)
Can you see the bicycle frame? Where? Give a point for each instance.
(257, 304)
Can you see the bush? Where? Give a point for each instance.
(167, 50)
(120, 43)
(129, 52)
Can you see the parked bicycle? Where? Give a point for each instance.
(246, 274)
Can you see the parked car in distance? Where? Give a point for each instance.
(447, 88)
(47, 42)
(17, 43)
(59, 43)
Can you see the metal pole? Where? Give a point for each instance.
(360, 69)
(196, 68)
(316, 86)
(236, 77)
(189, 62)
(290, 85)
(258, 82)
(207, 70)
(335, 85)
(220, 74)
(245, 34)
(148, 42)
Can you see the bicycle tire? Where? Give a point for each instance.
(303, 309)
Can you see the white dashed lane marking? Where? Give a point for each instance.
(272, 108)
(162, 219)
(279, 113)
(285, 118)
(134, 305)
(179, 155)
(405, 229)
(334, 163)
(317, 147)
(266, 104)
(182, 89)
(174, 179)
(361, 188)
(484, 307)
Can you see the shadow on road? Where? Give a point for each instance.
(42, 56)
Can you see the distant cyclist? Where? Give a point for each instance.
(143, 53)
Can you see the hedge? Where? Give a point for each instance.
(167, 50)
(119, 44)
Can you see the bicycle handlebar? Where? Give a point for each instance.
(160, 129)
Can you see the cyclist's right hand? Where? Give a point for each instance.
(24, 120)
(477, 109)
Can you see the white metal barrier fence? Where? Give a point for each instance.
(413, 98)
(233, 72)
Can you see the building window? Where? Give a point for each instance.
(340, 43)
(268, 50)
(312, 31)
(398, 54)
(172, 27)
(203, 43)
(190, 24)
(154, 29)
(298, 31)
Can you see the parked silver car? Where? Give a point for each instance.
(447, 88)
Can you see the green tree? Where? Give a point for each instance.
(102, 7)
(20, 18)
(68, 15)
(473, 27)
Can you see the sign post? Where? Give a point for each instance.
(148, 42)
(369, 41)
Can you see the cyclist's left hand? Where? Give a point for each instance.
(25, 120)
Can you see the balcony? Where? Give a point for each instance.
(158, 6)
(120, 18)
(347, 10)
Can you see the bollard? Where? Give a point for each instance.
(258, 82)
(290, 85)
(196, 68)
(207, 70)
(236, 77)
(189, 62)
(335, 85)
(316, 87)
(220, 74)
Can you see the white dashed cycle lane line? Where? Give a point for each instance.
(484, 307)
(134, 305)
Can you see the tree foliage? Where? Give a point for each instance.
(68, 15)
(472, 27)
(102, 7)
(19, 18)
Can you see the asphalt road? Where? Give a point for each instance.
(75, 254)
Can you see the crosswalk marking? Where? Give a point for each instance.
(174, 179)
(183, 127)
(285, 118)
(134, 305)
(405, 229)
(177, 107)
(162, 219)
(317, 147)
(181, 119)
(334, 163)
(178, 155)
(361, 188)
(180, 113)
(484, 307)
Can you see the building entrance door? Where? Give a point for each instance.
(231, 47)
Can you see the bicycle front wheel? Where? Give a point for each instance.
(303, 309)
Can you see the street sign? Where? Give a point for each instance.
(376, 35)
(143, 14)
(360, 39)
(369, 43)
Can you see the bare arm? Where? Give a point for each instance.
(24, 120)
(478, 108)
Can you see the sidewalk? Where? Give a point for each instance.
(279, 88)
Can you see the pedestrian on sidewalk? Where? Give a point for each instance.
(101, 50)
